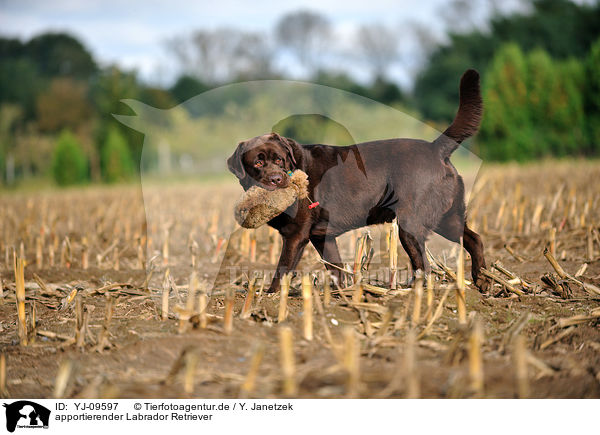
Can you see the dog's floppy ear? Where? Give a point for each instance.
(235, 163)
(293, 150)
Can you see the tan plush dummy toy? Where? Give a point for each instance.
(257, 206)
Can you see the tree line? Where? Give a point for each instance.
(540, 77)
(541, 81)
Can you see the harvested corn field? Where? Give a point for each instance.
(108, 292)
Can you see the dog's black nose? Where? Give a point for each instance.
(276, 179)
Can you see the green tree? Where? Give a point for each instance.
(60, 54)
(542, 81)
(534, 106)
(117, 164)
(156, 97)
(20, 83)
(506, 131)
(108, 89)
(69, 164)
(592, 97)
(187, 87)
(556, 104)
(562, 28)
(566, 114)
(64, 105)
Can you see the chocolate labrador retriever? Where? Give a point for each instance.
(369, 183)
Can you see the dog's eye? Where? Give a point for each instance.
(259, 164)
(278, 161)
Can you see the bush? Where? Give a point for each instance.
(533, 106)
(592, 97)
(69, 164)
(566, 117)
(117, 164)
(506, 128)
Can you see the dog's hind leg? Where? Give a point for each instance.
(413, 243)
(453, 227)
(474, 246)
(328, 250)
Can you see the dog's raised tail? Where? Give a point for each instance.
(468, 117)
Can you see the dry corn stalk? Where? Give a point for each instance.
(247, 308)
(20, 297)
(84, 253)
(65, 253)
(189, 375)
(272, 246)
(253, 248)
(393, 242)
(308, 307)
(202, 307)
(192, 290)
(430, 285)
(3, 391)
(413, 390)
(283, 299)
(579, 319)
(288, 367)
(552, 240)
(245, 243)
(475, 358)
(194, 248)
(39, 257)
(418, 292)
(460, 286)
(557, 337)
(33, 317)
(513, 278)
(81, 321)
(51, 254)
(436, 314)
(164, 315)
(165, 247)
(590, 288)
(504, 283)
(250, 381)
(351, 362)
(357, 294)
(228, 318)
(520, 364)
(590, 245)
(116, 263)
(62, 379)
(103, 341)
(518, 257)
(363, 252)
(387, 319)
(140, 253)
(324, 324)
(326, 288)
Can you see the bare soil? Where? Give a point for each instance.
(147, 356)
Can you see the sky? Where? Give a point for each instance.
(133, 33)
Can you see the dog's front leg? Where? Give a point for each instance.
(291, 252)
(328, 250)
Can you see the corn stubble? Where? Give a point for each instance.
(316, 337)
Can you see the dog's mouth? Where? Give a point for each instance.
(269, 186)
(276, 182)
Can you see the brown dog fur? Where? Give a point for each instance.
(369, 183)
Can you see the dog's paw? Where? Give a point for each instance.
(482, 284)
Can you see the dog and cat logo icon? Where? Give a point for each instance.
(25, 414)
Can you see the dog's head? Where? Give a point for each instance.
(265, 160)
